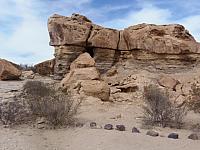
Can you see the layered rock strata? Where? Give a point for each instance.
(144, 45)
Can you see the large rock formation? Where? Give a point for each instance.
(45, 68)
(9, 71)
(152, 47)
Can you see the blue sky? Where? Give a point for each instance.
(23, 23)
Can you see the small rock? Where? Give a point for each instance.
(152, 133)
(79, 124)
(120, 127)
(117, 117)
(6, 126)
(173, 136)
(93, 125)
(108, 127)
(135, 130)
(41, 126)
(41, 120)
(193, 136)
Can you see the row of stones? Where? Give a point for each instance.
(93, 125)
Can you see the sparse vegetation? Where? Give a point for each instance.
(57, 107)
(194, 99)
(159, 110)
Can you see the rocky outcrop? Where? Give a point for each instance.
(8, 71)
(152, 47)
(45, 68)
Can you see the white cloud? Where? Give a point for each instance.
(192, 23)
(148, 14)
(29, 40)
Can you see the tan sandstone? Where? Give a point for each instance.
(8, 71)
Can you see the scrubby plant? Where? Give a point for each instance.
(194, 98)
(158, 109)
(45, 101)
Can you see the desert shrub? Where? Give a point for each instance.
(45, 101)
(194, 98)
(159, 110)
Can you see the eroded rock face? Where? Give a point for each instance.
(83, 61)
(166, 48)
(160, 39)
(8, 71)
(168, 82)
(96, 88)
(72, 30)
(45, 68)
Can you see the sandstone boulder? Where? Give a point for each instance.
(83, 61)
(95, 88)
(168, 39)
(8, 71)
(72, 30)
(90, 73)
(27, 74)
(45, 68)
(103, 38)
(168, 82)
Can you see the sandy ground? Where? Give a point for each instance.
(28, 138)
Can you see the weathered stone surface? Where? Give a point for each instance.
(83, 61)
(167, 81)
(90, 73)
(45, 68)
(64, 56)
(72, 30)
(131, 87)
(105, 58)
(27, 74)
(165, 48)
(161, 39)
(103, 38)
(96, 88)
(8, 71)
